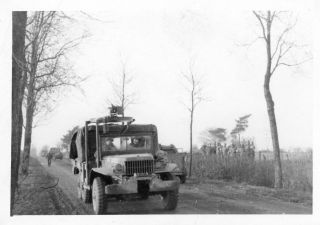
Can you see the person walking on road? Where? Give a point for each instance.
(49, 157)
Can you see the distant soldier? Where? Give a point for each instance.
(49, 157)
(214, 148)
(251, 150)
(242, 149)
(204, 150)
(219, 148)
(229, 149)
(233, 150)
(245, 149)
(225, 149)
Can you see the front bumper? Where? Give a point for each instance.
(156, 185)
(178, 173)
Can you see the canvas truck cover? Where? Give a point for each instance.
(77, 145)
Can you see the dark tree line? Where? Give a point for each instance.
(39, 71)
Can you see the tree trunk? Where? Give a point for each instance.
(271, 114)
(29, 112)
(28, 131)
(19, 20)
(191, 126)
(30, 107)
(123, 94)
(275, 140)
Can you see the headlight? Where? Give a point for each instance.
(176, 169)
(118, 168)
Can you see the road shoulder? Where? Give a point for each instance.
(39, 194)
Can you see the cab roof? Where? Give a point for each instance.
(116, 128)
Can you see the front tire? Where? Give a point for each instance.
(79, 191)
(183, 179)
(98, 196)
(169, 200)
(86, 195)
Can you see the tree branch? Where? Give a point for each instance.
(262, 25)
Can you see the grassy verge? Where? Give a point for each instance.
(38, 194)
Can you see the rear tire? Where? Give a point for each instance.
(170, 200)
(144, 196)
(99, 202)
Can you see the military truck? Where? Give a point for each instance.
(44, 153)
(116, 159)
(177, 158)
(56, 153)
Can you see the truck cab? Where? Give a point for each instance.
(117, 159)
(56, 153)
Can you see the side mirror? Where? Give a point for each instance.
(75, 170)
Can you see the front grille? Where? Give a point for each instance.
(139, 167)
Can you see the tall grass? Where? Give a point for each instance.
(297, 173)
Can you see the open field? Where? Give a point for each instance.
(297, 170)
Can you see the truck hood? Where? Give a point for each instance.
(127, 157)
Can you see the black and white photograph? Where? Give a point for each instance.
(160, 109)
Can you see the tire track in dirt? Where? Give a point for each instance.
(54, 200)
(67, 192)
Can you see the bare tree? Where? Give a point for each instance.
(212, 135)
(47, 68)
(241, 126)
(194, 89)
(19, 21)
(277, 49)
(120, 85)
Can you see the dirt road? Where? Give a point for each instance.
(214, 197)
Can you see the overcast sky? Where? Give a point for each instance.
(157, 46)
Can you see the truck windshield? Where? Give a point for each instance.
(126, 143)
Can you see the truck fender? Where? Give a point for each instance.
(102, 172)
(172, 167)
